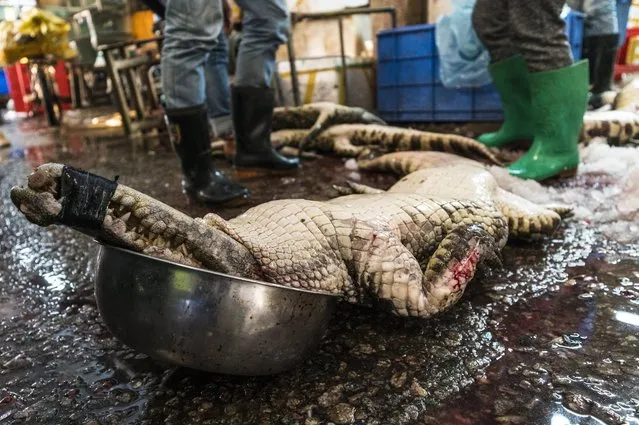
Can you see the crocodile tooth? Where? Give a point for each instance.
(184, 251)
(119, 228)
(126, 216)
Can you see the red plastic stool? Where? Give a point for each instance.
(621, 67)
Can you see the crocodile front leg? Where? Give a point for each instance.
(353, 188)
(526, 220)
(337, 114)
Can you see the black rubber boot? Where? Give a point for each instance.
(252, 119)
(601, 52)
(190, 136)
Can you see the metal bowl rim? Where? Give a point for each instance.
(210, 272)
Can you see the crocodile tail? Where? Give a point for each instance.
(450, 143)
(287, 137)
(470, 148)
(369, 118)
(630, 131)
(596, 128)
(374, 164)
(616, 131)
(339, 114)
(408, 161)
(395, 162)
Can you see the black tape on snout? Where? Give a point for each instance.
(85, 198)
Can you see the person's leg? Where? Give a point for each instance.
(265, 27)
(539, 33)
(601, 37)
(218, 90)
(191, 32)
(490, 22)
(508, 70)
(559, 89)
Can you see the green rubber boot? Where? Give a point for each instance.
(559, 104)
(510, 78)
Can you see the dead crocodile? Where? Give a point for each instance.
(620, 128)
(628, 97)
(317, 117)
(360, 140)
(404, 253)
(314, 118)
(441, 175)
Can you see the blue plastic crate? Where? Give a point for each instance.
(409, 88)
(575, 33)
(623, 10)
(4, 87)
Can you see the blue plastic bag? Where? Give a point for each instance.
(463, 58)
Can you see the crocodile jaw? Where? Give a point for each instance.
(136, 221)
(127, 222)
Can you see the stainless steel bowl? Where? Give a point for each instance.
(205, 320)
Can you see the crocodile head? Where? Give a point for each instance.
(120, 215)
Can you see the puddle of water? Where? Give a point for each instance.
(569, 359)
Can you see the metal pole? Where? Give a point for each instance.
(134, 88)
(340, 23)
(120, 97)
(348, 12)
(291, 60)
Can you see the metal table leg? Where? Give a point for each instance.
(120, 96)
(291, 59)
(137, 96)
(340, 23)
(297, 17)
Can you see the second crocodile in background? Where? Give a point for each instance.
(362, 140)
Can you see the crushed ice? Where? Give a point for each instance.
(605, 192)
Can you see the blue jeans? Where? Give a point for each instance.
(218, 93)
(265, 27)
(195, 54)
(601, 16)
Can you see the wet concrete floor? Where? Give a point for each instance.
(552, 338)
